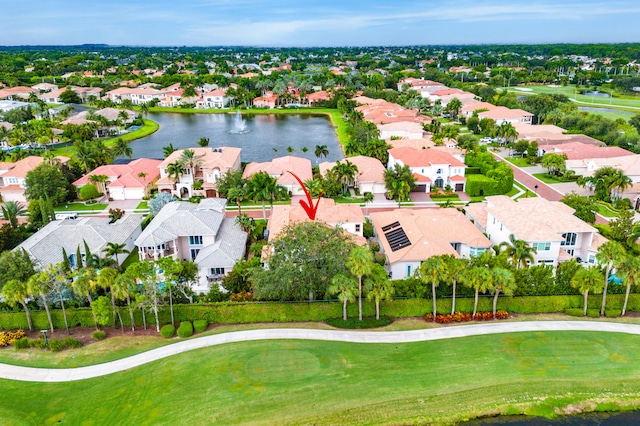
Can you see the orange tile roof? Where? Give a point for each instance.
(421, 157)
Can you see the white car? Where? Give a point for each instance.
(486, 139)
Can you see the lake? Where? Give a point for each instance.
(263, 134)
(592, 419)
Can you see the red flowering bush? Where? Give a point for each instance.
(465, 317)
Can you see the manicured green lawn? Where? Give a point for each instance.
(617, 101)
(547, 178)
(606, 211)
(520, 162)
(80, 207)
(144, 205)
(311, 382)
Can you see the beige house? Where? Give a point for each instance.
(13, 177)
(432, 168)
(370, 175)
(408, 237)
(210, 165)
(130, 181)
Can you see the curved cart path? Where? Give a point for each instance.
(29, 374)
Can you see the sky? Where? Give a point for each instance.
(310, 23)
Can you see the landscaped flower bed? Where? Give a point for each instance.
(7, 338)
(465, 316)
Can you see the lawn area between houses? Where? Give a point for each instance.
(517, 161)
(427, 382)
(80, 207)
(547, 178)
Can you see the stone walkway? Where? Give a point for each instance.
(28, 374)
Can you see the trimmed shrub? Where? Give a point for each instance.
(185, 329)
(56, 345)
(355, 323)
(22, 343)
(200, 325)
(99, 335)
(167, 331)
(612, 313)
(593, 313)
(70, 342)
(576, 312)
(37, 343)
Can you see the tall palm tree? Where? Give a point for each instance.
(502, 280)
(321, 151)
(368, 197)
(114, 249)
(519, 252)
(15, 291)
(39, 285)
(122, 291)
(84, 283)
(106, 280)
(143, 176)
(261, 187)
(11, 210)
(453, 107)
(610, 254)
(122, 149)
(434, 271)
(203, 142)
(629, 270)
(345, 286)
(101, 180)
(378, 286)
(175, 170)
(360, 263)
(237, 194)
(168, 150)
(587, 280)
(190, 161)
(479, 279)
(454, 267)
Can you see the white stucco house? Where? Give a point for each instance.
(432, 168)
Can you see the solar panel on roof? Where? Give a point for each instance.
(396, 237)
(391, 226)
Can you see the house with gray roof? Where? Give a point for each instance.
(45, 246)
(197, 232)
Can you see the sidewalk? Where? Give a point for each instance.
(28, 374)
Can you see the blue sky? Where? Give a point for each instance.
(316, 23)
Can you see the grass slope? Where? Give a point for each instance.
(302, 382)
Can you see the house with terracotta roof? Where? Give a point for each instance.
(368, 178)
(131, 181)
(13, 177)
(410, 236)
(16, 93)
(471, 106)
(583, 151)
(211, 164)
(198, 232)
(447, 95)
(278, 168)
(432, 168)
(401, 129)
(629, 164)
(318, 97)
(548, 226)
(419, 85)
(214, 99)
(268, 100)
(45, 87)
(502, 114)
(346, 216)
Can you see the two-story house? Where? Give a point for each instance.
(432, 168)
(13, 177)
(279, 169)
(210, 164)
(214, 99)
(197, 232)
(548, 226)
(410, 236)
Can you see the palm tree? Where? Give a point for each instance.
(629, 270)
(84, 283)
(143, 176)
(453, 107)
(114, 249)
(237, 194)
(378, 286)
(360, 263)
(321, 151)
(345, 286)
(368, 197)
(11, 210)
(399, 181)
(314, 186)
(190, 161)
(502, 280)
(618, 183)
(610, 254)
(477, 278)
(168, 150)
(39, 285)
(15, 291)
(453, 268)
(261, 187)
(247, 223)
(586, 280)
(175, 170)
(203, 142)
(122, 148)
(144, 109)
(290, 149)
(106, 280)
(121, 290)
(433, 270)
(450, 132)
(99, 179)
(508, 132)
(518, 251)
(347, 171)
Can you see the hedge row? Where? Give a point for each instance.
(244, 313)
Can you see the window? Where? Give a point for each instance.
(216, 271)
(545, 262)
(592, 259)
(545, 246)
(476, 251)
(408, 270)
(439, 171)
(194, 253)
(161, 247)
(195, 240)
(357, 227)
(569, 239)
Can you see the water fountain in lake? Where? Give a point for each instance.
(239, 125)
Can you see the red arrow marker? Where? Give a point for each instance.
(308, 205)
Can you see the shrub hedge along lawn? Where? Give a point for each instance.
(248, 313)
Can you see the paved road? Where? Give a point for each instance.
(29, 374)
